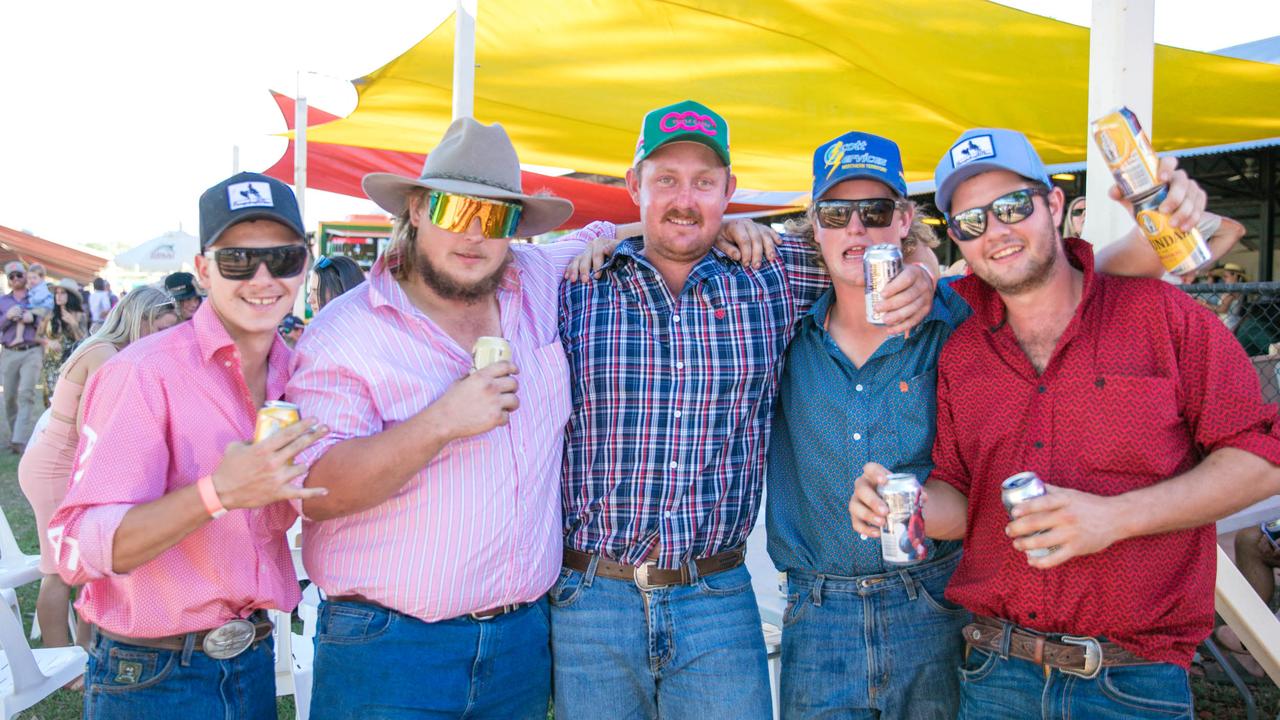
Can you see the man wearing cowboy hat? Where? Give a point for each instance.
(440, 531)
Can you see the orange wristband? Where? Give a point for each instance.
(209, 496)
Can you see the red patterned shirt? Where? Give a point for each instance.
(1142, 385)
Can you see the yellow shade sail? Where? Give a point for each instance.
(570, 80)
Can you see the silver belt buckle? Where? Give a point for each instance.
(641, 576)
(1092, 656)
(229, 640)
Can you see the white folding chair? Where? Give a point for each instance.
(71, 623)
(773, 647)
(28, 676)
(282, 632)
(304, 651)
(16, 567)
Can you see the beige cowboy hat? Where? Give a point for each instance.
(1234, 268)
(472, 159)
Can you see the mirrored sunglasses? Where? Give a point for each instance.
(1010, 209)
(453, 212)
(242, 263)
(872, 212)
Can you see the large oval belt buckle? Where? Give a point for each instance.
(229, 640)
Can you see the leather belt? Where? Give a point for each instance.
(1072, 654)
(22, 346)
(261, 629)
(481, 615)
(647, 575)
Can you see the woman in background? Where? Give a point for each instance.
(64, 331)
(332, 277)
(45, 469)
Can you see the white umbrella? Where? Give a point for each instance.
(169, 252)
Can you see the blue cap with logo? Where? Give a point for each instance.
(243, 197)
(858, 155)
(983, 149)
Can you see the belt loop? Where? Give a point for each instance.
(188, 647)
(692, 572)
(1006, 637)
(817, 589)
(590, 574)
(909, 583)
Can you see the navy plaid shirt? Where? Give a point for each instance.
(672, 400)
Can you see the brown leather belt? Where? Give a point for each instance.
(1073, 654)
(482, 615)
(261, 629)
(22, 346)
(648, 576)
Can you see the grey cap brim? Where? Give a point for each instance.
(541, 213)
(246, 216)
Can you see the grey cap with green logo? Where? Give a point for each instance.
(685, 121)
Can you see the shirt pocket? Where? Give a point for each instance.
(912, 408)
(544, 385)
(1128, 426)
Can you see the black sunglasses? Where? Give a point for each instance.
(1010, 208)
(242, 263)
(17, 274)
(873, 212)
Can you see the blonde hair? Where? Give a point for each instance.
(918, 234)
(134, 316)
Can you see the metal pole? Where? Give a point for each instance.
(1268, 182)
(300, 150)
(464, 59)
(1121, 61)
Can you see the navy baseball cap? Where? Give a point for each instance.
(858, 155)
(981, 150)
(243, 197)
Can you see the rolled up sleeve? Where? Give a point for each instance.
(122, 461)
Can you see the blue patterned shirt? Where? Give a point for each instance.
(833, 418)
(672, 398)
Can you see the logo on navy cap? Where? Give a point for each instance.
(249, 194)
(970, 149)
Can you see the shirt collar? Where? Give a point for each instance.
(986, 302)
(212, 337)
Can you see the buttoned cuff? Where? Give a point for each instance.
(95, 540)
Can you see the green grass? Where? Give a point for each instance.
(1212, 701)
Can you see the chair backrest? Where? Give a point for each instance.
(8, 543)
(22, 662)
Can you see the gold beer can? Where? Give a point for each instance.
(1128, 152)
(489, 350)
(274, 416)
(1180, 252)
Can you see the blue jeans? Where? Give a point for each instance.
(128, 682)
(878, 646)
(685, 651)
(995, 688)
(374, 663)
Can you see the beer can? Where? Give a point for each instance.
(1018, 489)
(1128, 152)
(902, 539)
(1271, 529)
(1180, 251)
(880, 264)
(489, 350)
(273, 416)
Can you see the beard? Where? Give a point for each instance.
(1038, 271)
(450, 289)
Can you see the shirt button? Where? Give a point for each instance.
(679, 366)
(1041, 389)
(676, 413)
(227, 363)
(858, 388)
(857, 436)
(1038, 445)
(674, 464)
(667, 514)
(675, 318)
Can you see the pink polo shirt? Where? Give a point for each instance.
(479, 526)
(158, 416)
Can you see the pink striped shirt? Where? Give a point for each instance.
(158, 416)
(479, 526)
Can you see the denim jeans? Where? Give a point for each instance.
(128, 682)
(685, 651)
(373, 663)
(995, 688)
(878, 646)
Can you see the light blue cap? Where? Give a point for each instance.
(983, 149)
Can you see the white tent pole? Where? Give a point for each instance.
(464, 59)
(235, 161)
(1121, 62)
(300, 150)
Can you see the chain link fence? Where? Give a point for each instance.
(1252, 312)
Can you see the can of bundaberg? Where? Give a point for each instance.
(880, 264)
(489, 350)
(1271, 529)
(902, 539)
(1180, 251)
(1128, 152)
(1018, 489)
(272, 417)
